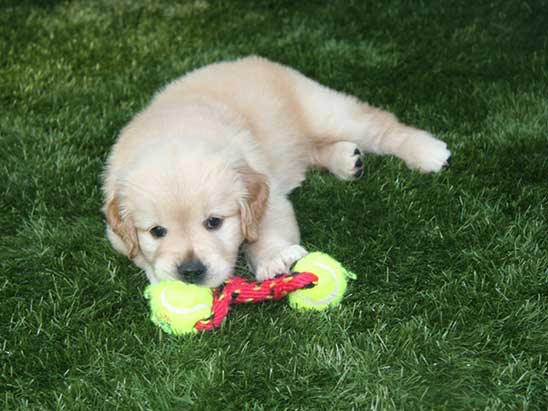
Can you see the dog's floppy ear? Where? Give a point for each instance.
(254, 204)
(123, 227)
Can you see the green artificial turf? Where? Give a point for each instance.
(450, 308)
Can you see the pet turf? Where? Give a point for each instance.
(450, 308)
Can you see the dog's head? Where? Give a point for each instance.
(184, 208)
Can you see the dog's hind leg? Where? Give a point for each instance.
(332, 117)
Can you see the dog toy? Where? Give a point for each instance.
(319, 282)
(176, 306)
(330, 287)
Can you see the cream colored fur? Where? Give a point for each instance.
(231, 140)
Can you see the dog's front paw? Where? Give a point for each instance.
(421, 151)
(279, 262)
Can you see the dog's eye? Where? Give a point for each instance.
(158, 232)
(213, 223)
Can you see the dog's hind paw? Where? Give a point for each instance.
(421, 151)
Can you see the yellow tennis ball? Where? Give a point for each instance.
(176, 306)
(331, 285)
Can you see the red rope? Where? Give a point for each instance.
(237, 290)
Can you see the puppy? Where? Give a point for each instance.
(208, 166)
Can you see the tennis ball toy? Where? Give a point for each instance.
(176, 307)
(317, 282)
(330, 287)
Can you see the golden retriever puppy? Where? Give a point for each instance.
(208, 166)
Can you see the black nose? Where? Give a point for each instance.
(191, 271)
